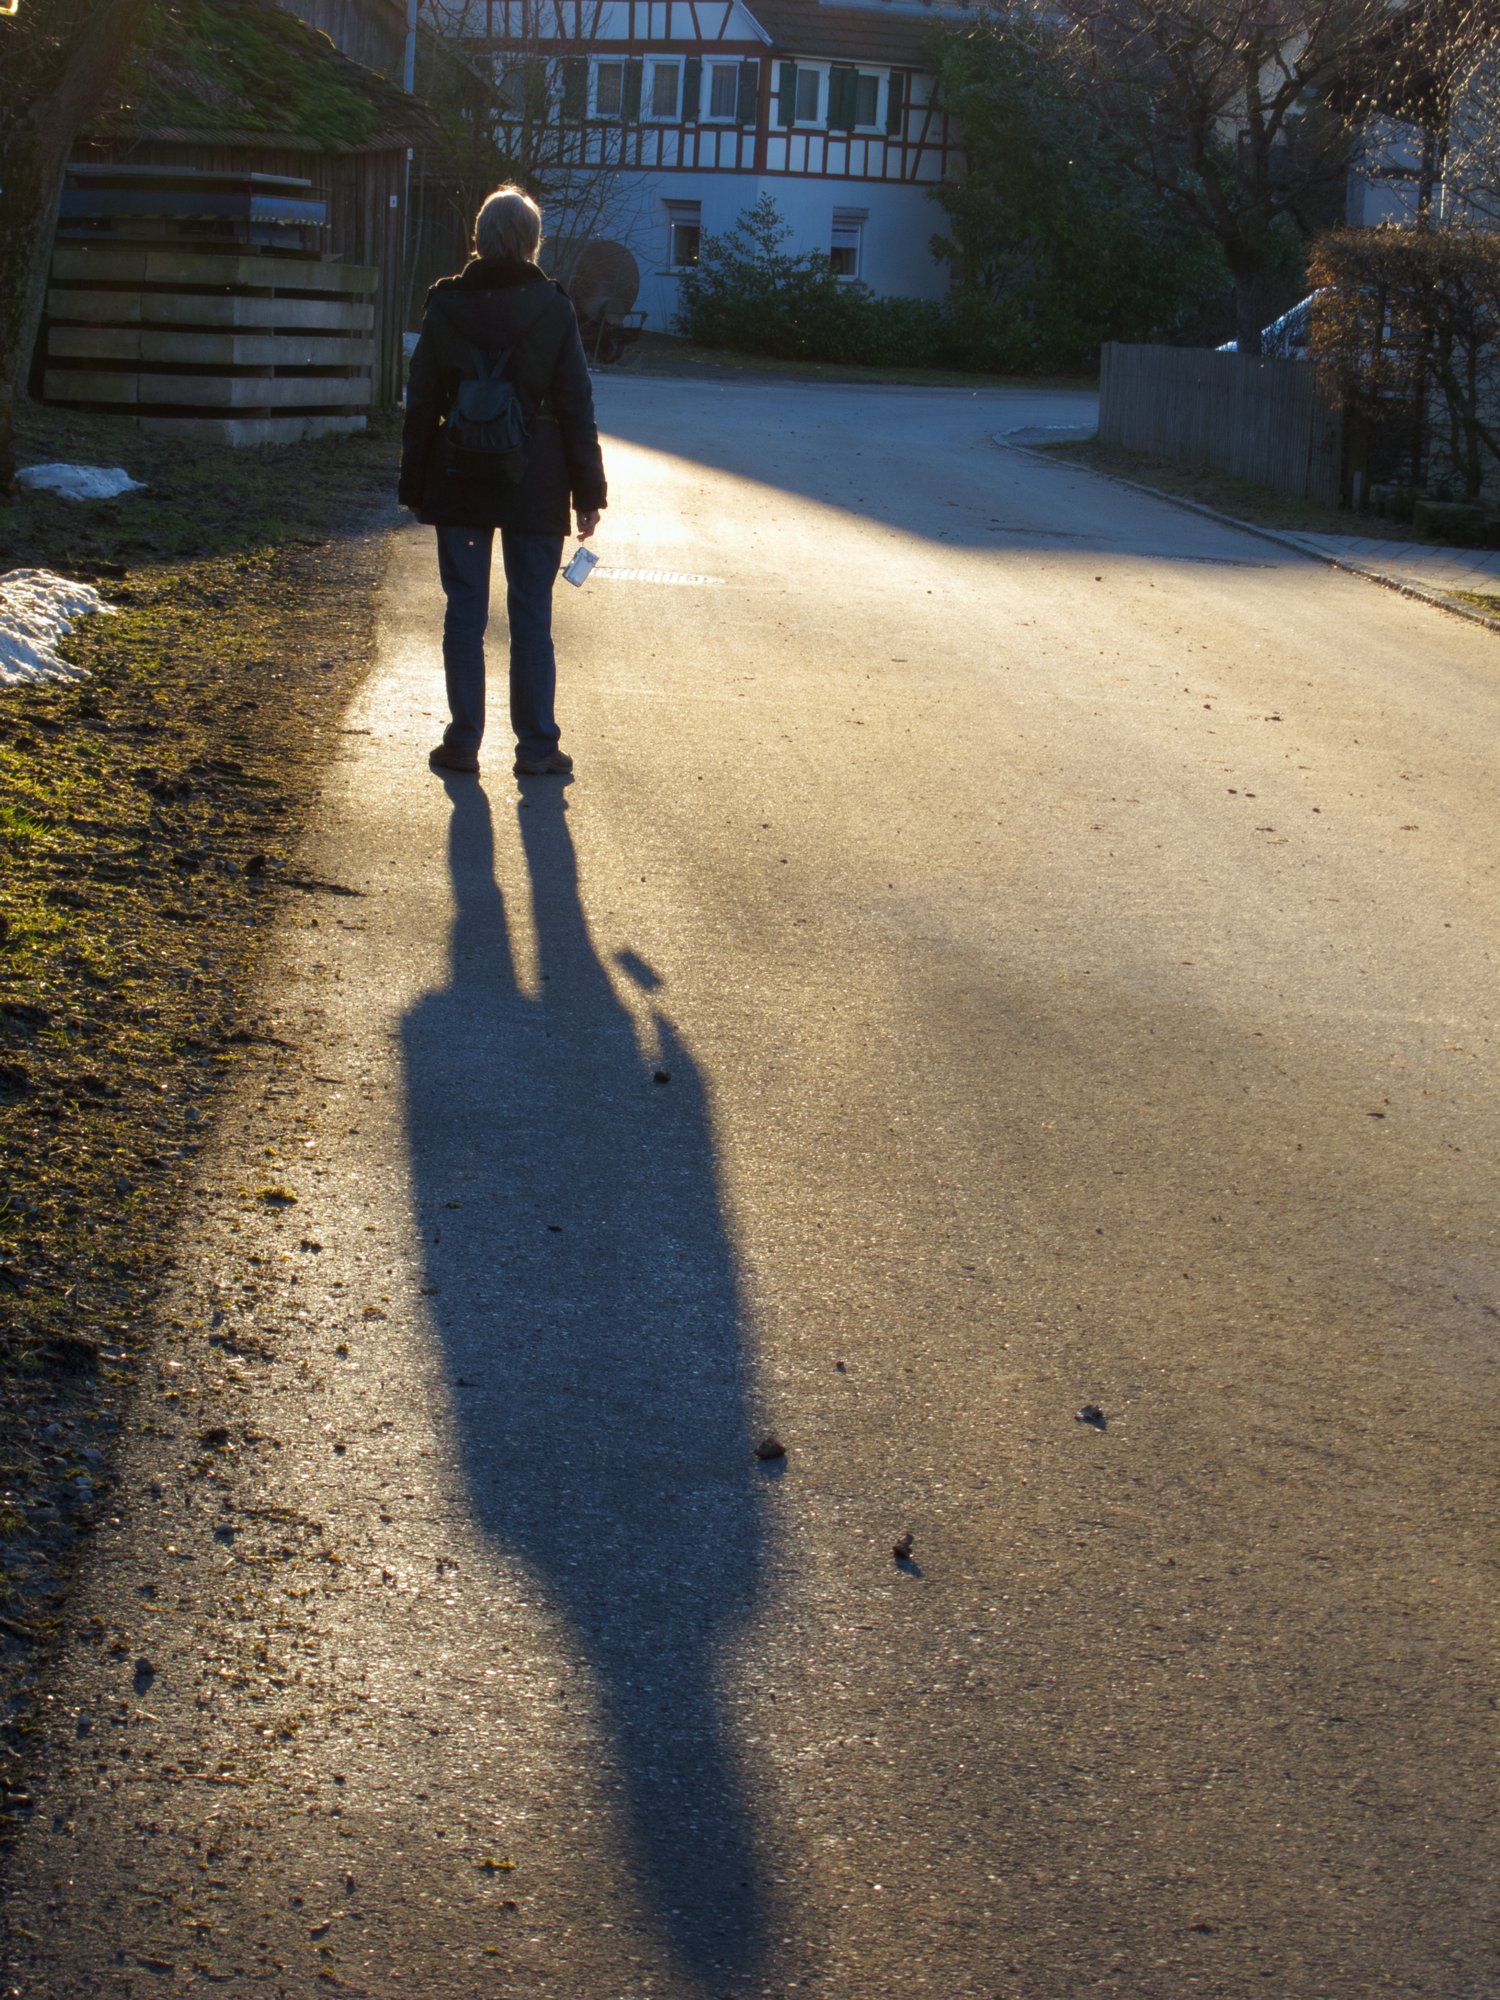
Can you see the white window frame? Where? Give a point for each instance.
(648, 90)
(820, 109)
(851, 220)
(596, 72)
(874, 122)
(682, 215)
(711, 69)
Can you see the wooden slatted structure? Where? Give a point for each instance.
(364, 192)
(256, 341)
(1261, 419)
(246, 88)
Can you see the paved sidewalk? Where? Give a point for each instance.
(1419, 566)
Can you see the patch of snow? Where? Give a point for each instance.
(36, 611)
(80, 482)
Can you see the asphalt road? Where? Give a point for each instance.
(1011, 946)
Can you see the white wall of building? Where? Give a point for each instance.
(895, 228)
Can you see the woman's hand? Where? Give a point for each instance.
(587, 523)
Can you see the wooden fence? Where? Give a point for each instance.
(1245, 414)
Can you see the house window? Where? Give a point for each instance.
(848, 242)
(799, 93)
(684, 234)
(853, 99)
(609, 90)
(723, 89)
(664, 85)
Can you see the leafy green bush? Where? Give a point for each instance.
(903, 333)
(748, 291)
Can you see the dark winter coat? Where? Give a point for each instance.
(487, 305)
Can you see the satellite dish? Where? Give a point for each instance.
(605, 280)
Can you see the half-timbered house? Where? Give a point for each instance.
(690, 110)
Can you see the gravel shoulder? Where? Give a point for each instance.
(147, 812)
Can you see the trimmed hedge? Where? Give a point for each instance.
(1406, 327)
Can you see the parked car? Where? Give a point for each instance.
(1285, 339)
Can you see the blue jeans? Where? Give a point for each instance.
(531, 564)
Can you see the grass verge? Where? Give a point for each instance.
(1209, 488)
(147, 816)
(664, 354)
(1481, 600)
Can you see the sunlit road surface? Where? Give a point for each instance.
(1065, 930)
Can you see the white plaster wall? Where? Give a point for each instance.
(898, 229)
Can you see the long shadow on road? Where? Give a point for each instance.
(924, 461)
(589, 1310)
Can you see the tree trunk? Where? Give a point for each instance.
(1249, 309)
(7, 446)
(54, 68)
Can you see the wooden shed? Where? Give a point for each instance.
(373, 32)
(192, 298)
(241, 88)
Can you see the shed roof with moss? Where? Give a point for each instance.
(238, 69)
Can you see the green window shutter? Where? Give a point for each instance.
(842, 87)
(786, 99)
(895, 105)
(630, 111)
(575, 90)
(749, 104)
(692, 87)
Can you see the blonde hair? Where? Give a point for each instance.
(508, 226)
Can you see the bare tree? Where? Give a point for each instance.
(1236, 113)
(508, 82)
(1471, 173)
(1431, 111)
(57, 58)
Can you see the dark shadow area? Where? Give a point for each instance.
(196, 500)
(586, 1297)
(929, 462)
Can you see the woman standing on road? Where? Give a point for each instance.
(501, 305)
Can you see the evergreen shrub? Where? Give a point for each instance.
(747, 291)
